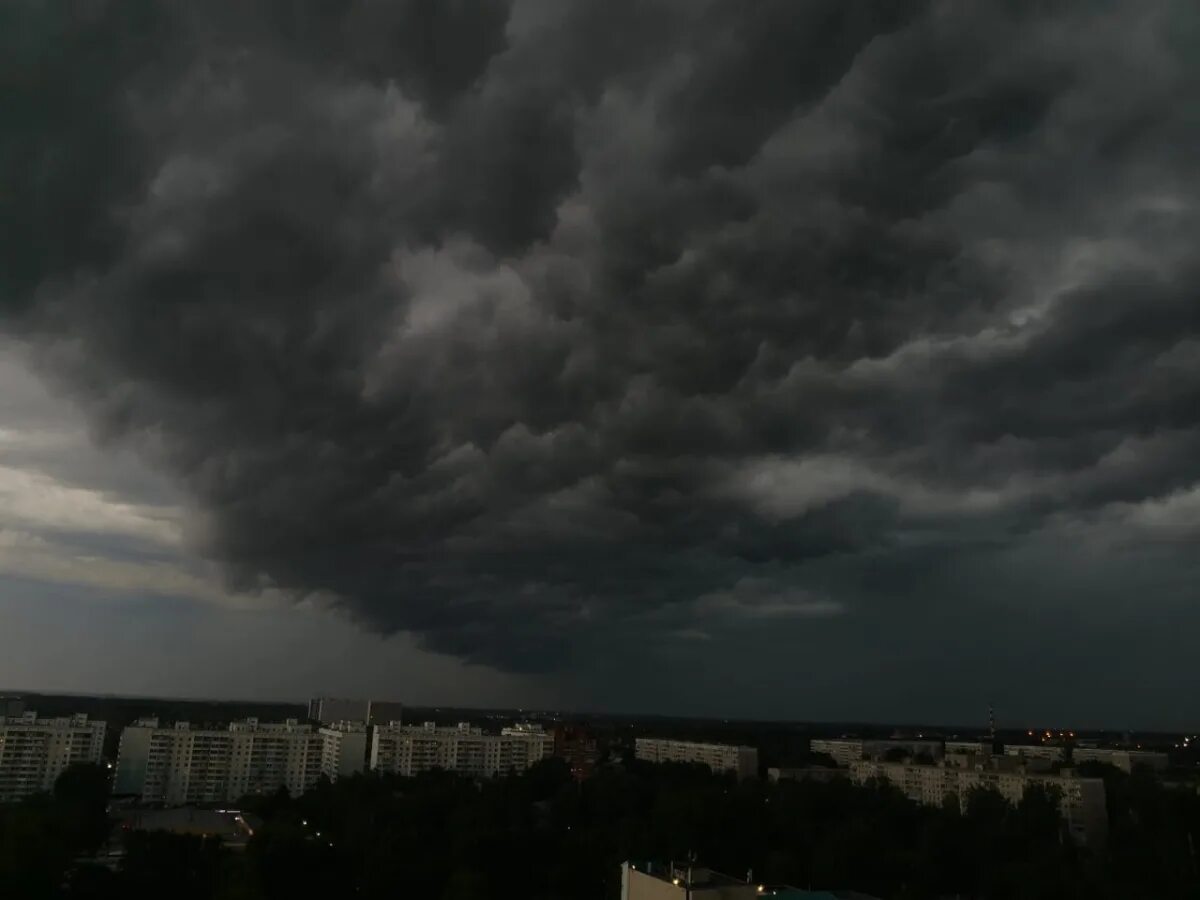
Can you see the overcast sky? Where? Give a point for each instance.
(822, 359)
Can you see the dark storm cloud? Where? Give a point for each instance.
(514, 325)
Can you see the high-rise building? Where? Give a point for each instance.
(1081, 800)
(384, 712)
(11, 707)
(411, 749)
(327, 710)
(577, 746)
(180, 764)
(34, 752)
(718, 757)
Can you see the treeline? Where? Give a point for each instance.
(541, 835)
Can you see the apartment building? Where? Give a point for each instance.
(180, 764)
(1125, 760)
(467, 750)
(34, 752)
(718, 757)
(1081, 799)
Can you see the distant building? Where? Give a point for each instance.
(327, 710)
(718, 757)
(1081, 799)
(34, 752)
(1051, 752)
(384, 712)
(1125, 760)
(577, 746)
(181, 765)
(412, 749)
(656, 881)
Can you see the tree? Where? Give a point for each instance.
(81, 796)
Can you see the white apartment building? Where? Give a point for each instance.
(411, 749)
(1125, 760)
(1081, 799)
(718, 757)
(180, 765)
(34, 752)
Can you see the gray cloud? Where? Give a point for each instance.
(517, 325)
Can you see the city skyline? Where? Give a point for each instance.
(825, 363)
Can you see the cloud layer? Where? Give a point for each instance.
(516, 326)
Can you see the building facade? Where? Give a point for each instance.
(34, 752)
(718, 757)
(412, 749)
(1081, 800)
(180, 765)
